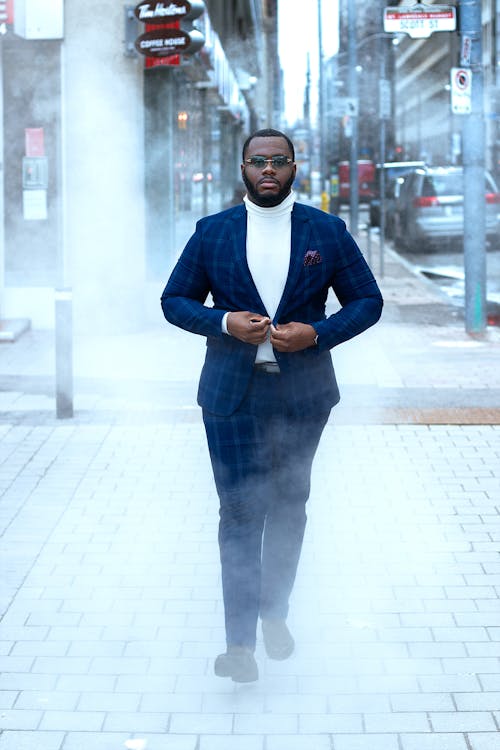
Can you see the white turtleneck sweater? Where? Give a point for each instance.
(268, 257)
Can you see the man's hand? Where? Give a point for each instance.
(292, 337)
(249, 327)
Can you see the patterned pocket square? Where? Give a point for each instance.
(312, 258)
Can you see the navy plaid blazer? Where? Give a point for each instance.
(323, 256)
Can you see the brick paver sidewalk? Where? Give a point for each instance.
(112, 599)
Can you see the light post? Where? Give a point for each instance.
(203, 87)
(352, 54)
(321, 105)
(384, 112)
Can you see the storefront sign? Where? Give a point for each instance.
(163, 42)
(165, 12)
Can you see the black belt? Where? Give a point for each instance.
(271, 368)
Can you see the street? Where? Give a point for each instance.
(445, 268)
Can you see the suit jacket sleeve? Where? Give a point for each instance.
(187, 289)
(356, 290)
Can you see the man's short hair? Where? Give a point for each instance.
(267, 133)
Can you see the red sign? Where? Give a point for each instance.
(7, 11)
(155, 62)
(34, 142)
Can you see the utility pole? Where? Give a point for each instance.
(497, 99)
(353, 94)
(384, 112)
(321, 104)
(307, 125)
(473, 146)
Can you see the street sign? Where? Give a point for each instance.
(461, 91)
(346, 105)
(465, 50)
(419, 21)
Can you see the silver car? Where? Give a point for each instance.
(430, 213)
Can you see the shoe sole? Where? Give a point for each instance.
(280, 655)
(234, 674)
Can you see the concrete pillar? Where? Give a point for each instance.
(103, 169)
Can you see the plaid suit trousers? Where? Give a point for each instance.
(261, 458)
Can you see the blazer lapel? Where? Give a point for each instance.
(299, 243)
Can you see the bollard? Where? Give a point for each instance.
(64, 353)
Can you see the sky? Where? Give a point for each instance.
(298, 35)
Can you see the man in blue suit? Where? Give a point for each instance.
(267, 385)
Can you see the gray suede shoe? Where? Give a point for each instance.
(238, 663)
(278, 640)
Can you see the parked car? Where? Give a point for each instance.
(366, 177)
(429, 211)
(394, 172)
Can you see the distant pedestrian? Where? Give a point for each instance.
(268, 384)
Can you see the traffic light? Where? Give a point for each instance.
(182, 119)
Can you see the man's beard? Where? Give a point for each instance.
(267, 201)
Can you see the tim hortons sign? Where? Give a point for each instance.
(166, 12)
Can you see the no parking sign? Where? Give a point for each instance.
(461, 91)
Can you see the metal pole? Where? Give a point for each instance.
(170, 162)
(473, 146)
(204, 146)
(382, 116)
(353, 94)
(63, 293)
(496, 151)
(321, 103)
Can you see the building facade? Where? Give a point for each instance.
(426, 127)
(106, 160)
(421, 124)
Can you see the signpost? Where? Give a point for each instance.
(347, 105)
(419, 21)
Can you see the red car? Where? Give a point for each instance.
(366, 181)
